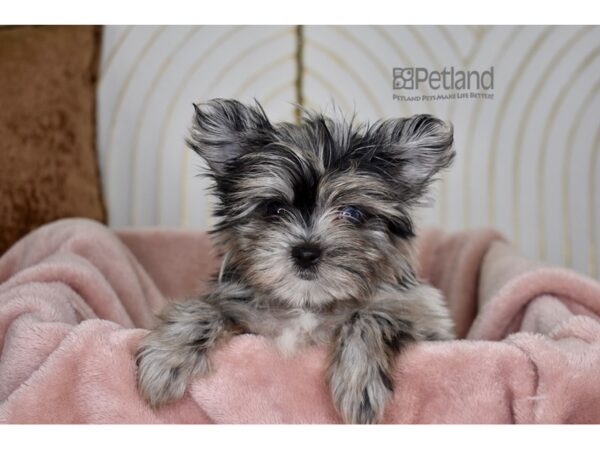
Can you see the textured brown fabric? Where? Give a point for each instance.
(48, 164)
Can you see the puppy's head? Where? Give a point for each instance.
(320, 211)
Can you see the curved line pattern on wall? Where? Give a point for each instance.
(569, 148)
(351, 72)
(123, 90)
(594, 204)
(172, 104)
(523, 64)
(534, 96)
(383, 70)
(147, 97)
(544, 145)
(106, 63)
(473, 122)
(521, 163)
(339, 97)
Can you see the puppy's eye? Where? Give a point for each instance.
(352, 214)
(277, 209)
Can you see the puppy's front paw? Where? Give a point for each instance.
(360, 395)
(163, 371)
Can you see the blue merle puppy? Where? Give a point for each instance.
(315, 229)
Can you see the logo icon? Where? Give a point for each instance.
(404, 78)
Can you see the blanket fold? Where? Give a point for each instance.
(76, 297)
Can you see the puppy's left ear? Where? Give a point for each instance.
(418, 147)
(222, 130)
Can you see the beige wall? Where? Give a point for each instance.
(527, 159)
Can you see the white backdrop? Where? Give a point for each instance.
(527, 160)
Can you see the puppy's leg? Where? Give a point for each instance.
(362, 361)
(360, 369)
(178, 348)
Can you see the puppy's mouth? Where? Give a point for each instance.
(306, 274)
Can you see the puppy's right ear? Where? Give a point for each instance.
(221, 129)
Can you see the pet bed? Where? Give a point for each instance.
(76, 297)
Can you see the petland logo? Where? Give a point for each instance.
(461, 84)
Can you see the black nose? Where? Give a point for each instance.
(306, 255)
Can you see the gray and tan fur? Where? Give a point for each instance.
(314, 224)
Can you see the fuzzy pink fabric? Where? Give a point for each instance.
(76, 297)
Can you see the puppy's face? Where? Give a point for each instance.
(317, 212)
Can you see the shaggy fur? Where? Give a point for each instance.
(315, 227)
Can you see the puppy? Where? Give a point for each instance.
(315, 229)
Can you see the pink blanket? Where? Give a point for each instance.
(75, 298)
